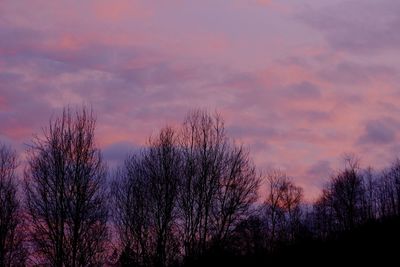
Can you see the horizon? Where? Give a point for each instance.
(300, 83)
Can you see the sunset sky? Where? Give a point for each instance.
(299, 82)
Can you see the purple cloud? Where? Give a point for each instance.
(281, 89)
(358, 26)
(321, 169)
(303, 90)
(116, 153)
(253, 131)
(352, 73)
(379, 132)
(311, 115)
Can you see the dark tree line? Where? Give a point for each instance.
(355, 196)
(189, 198)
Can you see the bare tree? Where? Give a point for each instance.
(183, 192)
(347, 191)
(344, 202)
(12, 251)
(371, 184)
(323, 216)
(273, 205)
(237, 191)
(145, 193)
(66, 198)
(162, 165)
(219, 183)
(203, 144)
(132, 213)
(390, 190)
(292, 200)
(282, 208)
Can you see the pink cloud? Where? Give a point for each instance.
(264, 2)
(120, 10)
(3, 104)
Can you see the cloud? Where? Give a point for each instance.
(253, 131)
(379, 132)
(319, 171)
(281, 89)
(353, 73)
(116, 153)
(264, 2)
(357, 26)
(303, 90)
(119, 10)
(311, 115)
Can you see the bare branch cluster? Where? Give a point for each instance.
(183, 194)
(65, 194)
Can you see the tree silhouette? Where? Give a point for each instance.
(162, 165)
(282, 208)
(348, 192)
(219, 183)
(131, 212)
(236, 192)
(183, 194)
(203, 145)
(344, 201)
(145, 195)
(12, 251)
(390, 190)
(66, 198)
(371, 185)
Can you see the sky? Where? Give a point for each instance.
(298, 82)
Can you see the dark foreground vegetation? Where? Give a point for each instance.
(190, 198)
